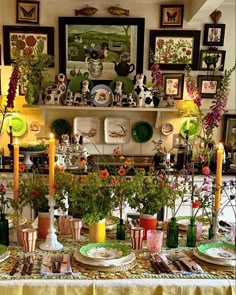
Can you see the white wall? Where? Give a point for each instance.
(51, 9)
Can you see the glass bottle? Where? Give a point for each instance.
(120, 231)
(210, 232)
(191, 233)
(4, 230)
(172, 240)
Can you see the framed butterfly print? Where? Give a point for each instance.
(27, 12)
(172, 16)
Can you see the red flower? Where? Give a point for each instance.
(104, 174)
(55, 186)
(116, 152)
(83, 178)
(196, 204)
(22, 167)
(35, 193)
(206, 170)
(2, 189)
(121, 171)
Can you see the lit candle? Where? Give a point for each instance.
(16, 171)
(51, 164)
(218, 183)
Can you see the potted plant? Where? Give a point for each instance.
(32, 62)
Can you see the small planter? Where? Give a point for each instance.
(148, 221)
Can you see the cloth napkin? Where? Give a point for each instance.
(46, 266)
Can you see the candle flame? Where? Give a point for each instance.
(16, 141)
(221, 146)
(51, 135)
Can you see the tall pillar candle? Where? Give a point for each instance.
(16, 171)
(51, 164)
(218, 182)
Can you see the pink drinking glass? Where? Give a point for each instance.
(154, 240)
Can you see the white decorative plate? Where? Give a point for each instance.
(89, 128)
(35, 127)
(213, 261)
(167, 129)
(102, 95)
(117, 130)
(107, 263)
(217, 251)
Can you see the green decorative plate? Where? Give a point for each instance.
(18, 123)
(105, 251)
(142, 132)
(194, 128)
(183, 221)
(218, 251)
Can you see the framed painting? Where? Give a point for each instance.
(229, 130)
(208, 85)
(27, 12)
(171, 16)
(211, 60)
(28, 37)
(214, 34)
(173, 85)
(97, 44)
(174, 49)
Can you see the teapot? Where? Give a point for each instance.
(123, 68)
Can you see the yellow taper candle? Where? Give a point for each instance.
(16, 170)
(51, 164)
(218, 183)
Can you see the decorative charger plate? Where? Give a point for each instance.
(217, 251)
(194, 128)
(105, 251)
(105, 263)
(167, 129)
(89, 128)
(102, 95)
(18, 123)
(213, 261)
(116, 130)
(142, 132)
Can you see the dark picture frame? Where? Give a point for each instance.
(27, 12)
(219, 64)
(173, 49)
(214, 34)
(208, 85)
(171, 16)
(173, 85)
(229, 122)
(119, 37)
(26, 34)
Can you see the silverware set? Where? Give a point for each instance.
(28, 265)
(56, 261)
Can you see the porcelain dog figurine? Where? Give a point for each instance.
(55, 94)
(143, 95)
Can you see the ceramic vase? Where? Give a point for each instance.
(148, 221)
(191, 233)
(172, 240)
(4, 230)
(97, 232)
(95, 67)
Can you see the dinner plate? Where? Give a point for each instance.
(102, 95)
(193, 127)
(167, 129)
(116, 130)
(18, 123)
(142, 132)
(88, 127)
(217, 251)
(183, 221)
(106, 263)
(105, 251)
(213, 261)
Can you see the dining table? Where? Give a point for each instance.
(136, 277)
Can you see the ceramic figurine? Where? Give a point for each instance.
(85, 92)
(69, 98)
(88, 10)
(118, 93)
(143, 95)
(56, 94)
(131, 100)
(123, 68)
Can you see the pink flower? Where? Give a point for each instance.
(206, 170)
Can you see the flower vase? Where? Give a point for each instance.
(120, 231)
(172, 240)
(191, 233)
(97, 232)
(32, 93)
(4, 230)
(147, 222)
(210, 232)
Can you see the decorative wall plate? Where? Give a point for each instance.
(116, 130)
(167, 129)
(193, 127)
(89, 128)
(18, 123)
(35, 127)
(105, 251)
(142, 132)
(102, 95)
